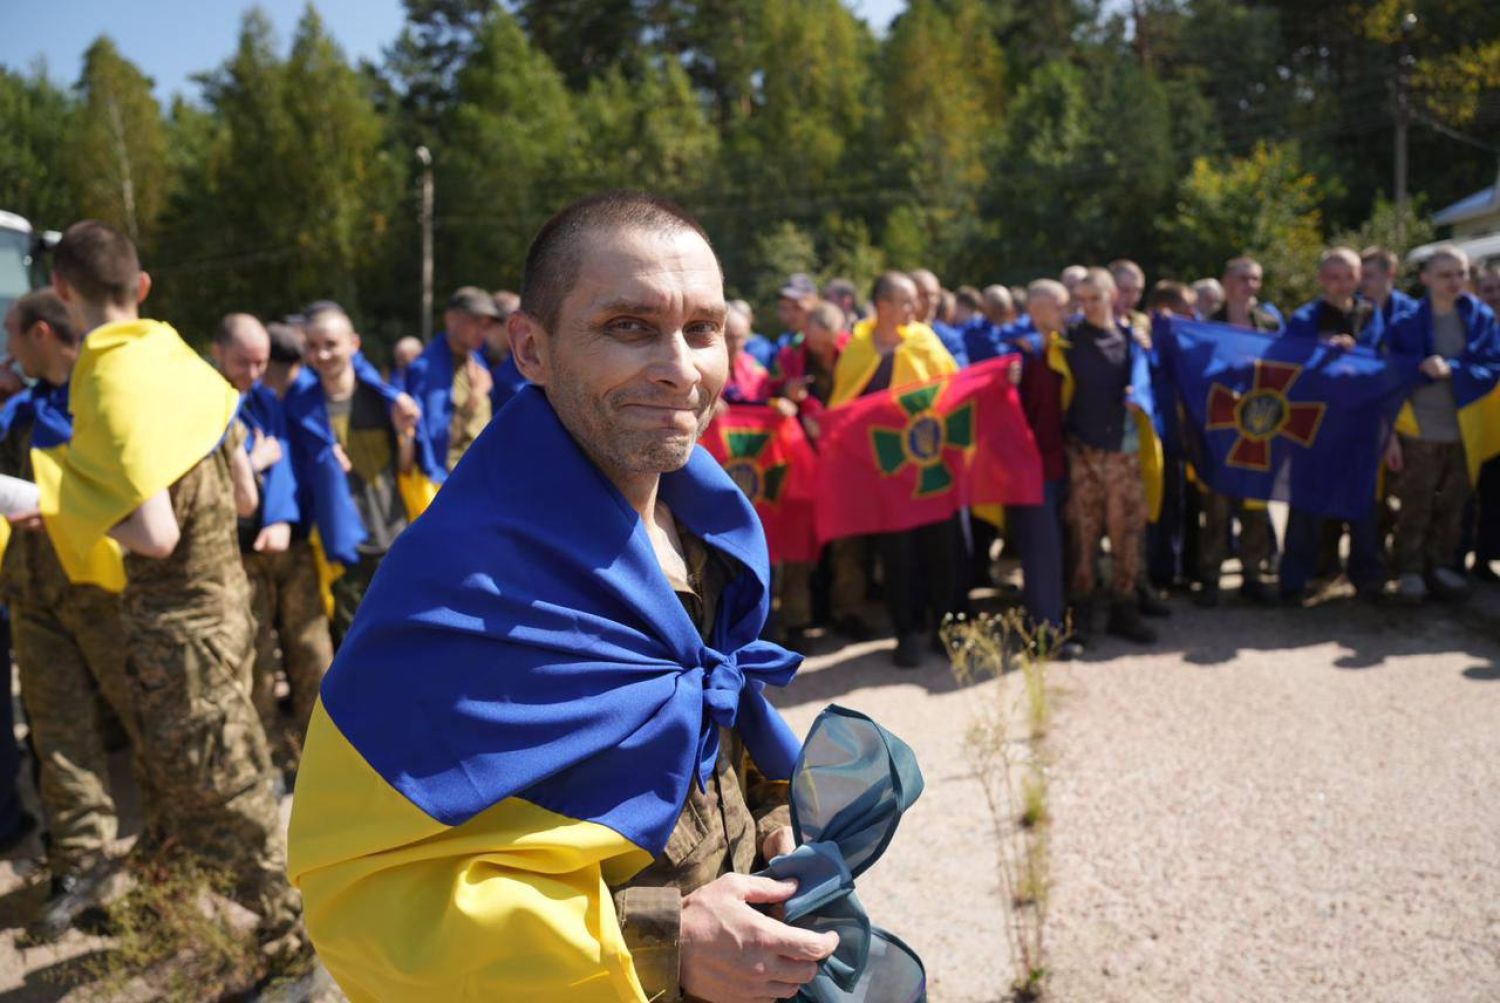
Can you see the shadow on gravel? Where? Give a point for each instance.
(1483, 673)
(54, 982)
(863, 667)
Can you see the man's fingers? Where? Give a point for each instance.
(796, 944)
(765, 890)
(791, 971)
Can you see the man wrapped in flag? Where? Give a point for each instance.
(155, 463)
(543, 764)
(1448, 428)
(361, 459)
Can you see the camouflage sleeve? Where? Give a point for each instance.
(651, 922)
(767, 800)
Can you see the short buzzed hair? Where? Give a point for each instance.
(45, 306)
(1099, 278)
(1124, 266)
(1450, 251)
(1383, 256)
(99, 262)
(323, 311)
(556, 253)
(1345, 254)
(886, 283)
(1241, 264)
(229, 327)
(1173, 297)
(829, 316)
(287, 343)
(1049, 288)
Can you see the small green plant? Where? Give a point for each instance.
(1004, 742)
(177, 933)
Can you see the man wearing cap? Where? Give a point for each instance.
(451, 381)
(794, 302)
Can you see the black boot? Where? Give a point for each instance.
(1125, 621)
(908, 653)
(1208, 595)
(1151, 604)
(71, 895)
(1083, 621)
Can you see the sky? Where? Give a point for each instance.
(170, 40)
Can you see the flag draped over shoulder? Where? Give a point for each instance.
(916, 454)
(1286, 419)
(767, 454)
(515, 719)
(261, 412)
(322, 484)
(146, 408)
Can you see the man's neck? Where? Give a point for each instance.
(825, 353)
(1239, 311)
(96, 315)
(1343, 306)
(1103, 324)
(60, 370)
(886, 334)
(340, 385)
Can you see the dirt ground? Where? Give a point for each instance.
(1269, 804)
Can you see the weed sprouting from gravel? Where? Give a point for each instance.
(1004, 743)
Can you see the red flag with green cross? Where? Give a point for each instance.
(767, 455)
(914, 455)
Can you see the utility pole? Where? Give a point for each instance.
(424, 157)
(1403, 122)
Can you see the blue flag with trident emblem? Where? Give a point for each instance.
(1285, 419)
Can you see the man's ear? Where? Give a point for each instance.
(354, 342)
(61, 287)
(528, 346)
(145, 289)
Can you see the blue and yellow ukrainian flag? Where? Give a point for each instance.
(1476, 375)
(1284, 418)
(146, 408)
(1140, 401)
(513, 723)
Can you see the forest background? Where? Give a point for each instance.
(989, 140)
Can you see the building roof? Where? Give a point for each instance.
(1483, 248)
(1481, 203)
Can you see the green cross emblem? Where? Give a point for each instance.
(760, 483)
(923, 440)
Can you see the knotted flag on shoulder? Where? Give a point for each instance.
(513, 724)
(146, 408)
(767, 454)
(916, 454)
(1285, 419)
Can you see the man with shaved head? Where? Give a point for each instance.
(403, 353)
(274, 545)
(929, 313)
(566, 796)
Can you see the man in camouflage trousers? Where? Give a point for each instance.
(69, 645)
(185, 611)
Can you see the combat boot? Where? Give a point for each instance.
(1125, 621)
(73, 894)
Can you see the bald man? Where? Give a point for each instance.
(403, 353)
(929, 305)
(274, 547)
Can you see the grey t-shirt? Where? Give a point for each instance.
(1433, 403)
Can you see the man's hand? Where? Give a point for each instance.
(1435, 367)
(480, 384)
(1393, 459)
(266, 452)
(342, 457)
(784, 407)
(1013, 373)
(730, 953)
(405, 413)
(811, 427)
(797, 388)
(778, 842)
(28, 521)
(273, 539)
(1341, 341)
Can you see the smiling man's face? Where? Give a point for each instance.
(637, 356)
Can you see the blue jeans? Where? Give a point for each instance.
(1304, 535)
(1038, 529)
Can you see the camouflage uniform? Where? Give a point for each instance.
(721, 827)
(1105, 496)
(1256, 536)
(190, 642)
(70, 648)
(288, 608)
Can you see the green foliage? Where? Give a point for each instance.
(989, 140)
(1388, 228)
(1265, 205)
(116, 152)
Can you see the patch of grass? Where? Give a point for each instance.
(1005, 745)
(177, 934)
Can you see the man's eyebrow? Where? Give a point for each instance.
(716, 313)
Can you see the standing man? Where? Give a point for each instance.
(1242, 306)
(1377, 283)
(924, 568)
(451, 381)
(403, 353)
(172, 503)
(1448, 330)
(291, 625)
(1341, 319)
(1209, 295)
(68, 639)
(929, 306)
(1130, 286)
(506, 376)
(586, 825)
(355, 447)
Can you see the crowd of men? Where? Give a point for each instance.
(236, 595)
